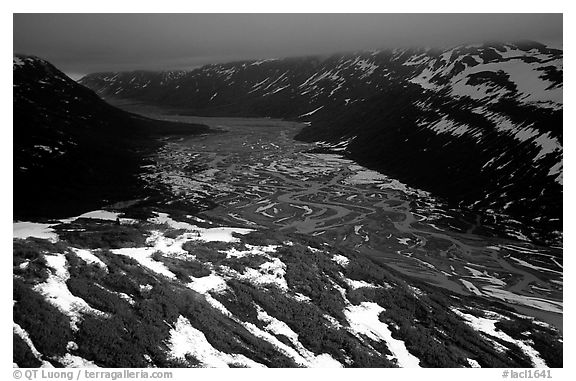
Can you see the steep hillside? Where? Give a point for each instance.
(72, 151)
(478, 125)
(167, 292)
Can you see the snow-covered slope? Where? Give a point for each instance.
(480, 125)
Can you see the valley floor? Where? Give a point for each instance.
(260, 177)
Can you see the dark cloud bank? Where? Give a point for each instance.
(84, 43)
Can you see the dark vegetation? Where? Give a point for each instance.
(183, 269)
(144, 328)
(131, 331)
(47, 327)
(523, 329)
(23, 353)
(101, 234)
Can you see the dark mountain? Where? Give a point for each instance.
(478, 125)
(73, 151)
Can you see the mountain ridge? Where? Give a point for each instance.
(72, 151)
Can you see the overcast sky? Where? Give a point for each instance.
(85, 43)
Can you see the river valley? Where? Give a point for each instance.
(260, 177)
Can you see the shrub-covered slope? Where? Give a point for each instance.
(175, 293)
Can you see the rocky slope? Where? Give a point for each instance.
(478, 125)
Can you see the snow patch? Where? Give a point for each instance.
(143, 255)
(23, 230)
(473, 363)
(208, 283)
(88, 257)
(219, 234)
(72, 361)
(56, 292)
(252, 250)
(268, 274)
(187, 340)
(308, 358)
(341, 260)
(102, 215)
(363, 320)
(311, 112)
